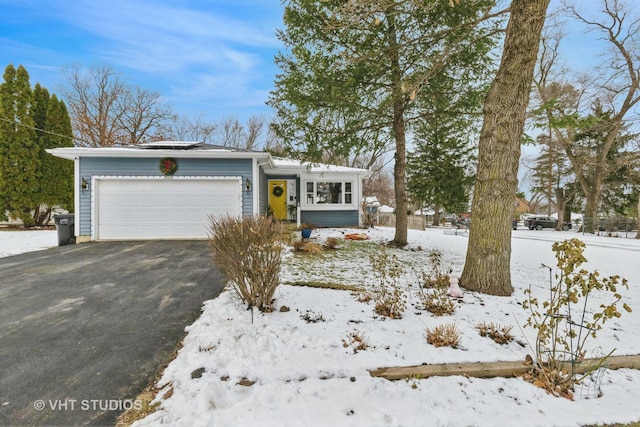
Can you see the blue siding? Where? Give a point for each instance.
(263, 192)
(110, 166)
(331, 218)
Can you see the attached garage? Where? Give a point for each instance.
(161, 208)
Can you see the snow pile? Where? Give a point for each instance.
(17, 242)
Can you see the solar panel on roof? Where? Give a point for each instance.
(171, 145)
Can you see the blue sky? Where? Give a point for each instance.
(213, 58)
(206, 57)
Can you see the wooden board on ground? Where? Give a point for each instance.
(489, 369)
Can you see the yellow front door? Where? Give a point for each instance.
(278, 198)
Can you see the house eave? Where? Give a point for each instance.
(73, 153)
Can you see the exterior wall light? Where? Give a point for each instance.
(84, 184)
(247, 185)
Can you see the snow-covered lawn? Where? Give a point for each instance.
(303, 375)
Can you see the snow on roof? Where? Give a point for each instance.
(282, 163)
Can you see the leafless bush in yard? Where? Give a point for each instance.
(248, 253)
(444, 335)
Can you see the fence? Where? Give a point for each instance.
(611, 226)
(388, 219)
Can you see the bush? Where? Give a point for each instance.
(500, 334)
(331, 243)
(389, 299)
(248, 253)
(446, 335)
(565, 322)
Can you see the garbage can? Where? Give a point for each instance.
(65, 227)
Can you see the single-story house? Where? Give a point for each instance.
(168, 189)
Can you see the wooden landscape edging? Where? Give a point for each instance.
(489, 369)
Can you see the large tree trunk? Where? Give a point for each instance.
(487, 267)
(638, 225)
(561, 204)
(399, 169)
(592, 195)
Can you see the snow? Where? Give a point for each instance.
(304, 376)
(17, 242)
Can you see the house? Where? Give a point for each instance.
(521, 206)
(168, 189)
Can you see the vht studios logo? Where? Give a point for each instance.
(87, 405)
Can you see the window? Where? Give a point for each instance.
(329, 193)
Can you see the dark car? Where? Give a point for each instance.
(540, 222)
(463, 223)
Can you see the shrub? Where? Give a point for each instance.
(436, 301)
(433, 291)
(561, 323)
(356, 340)
(446, 335)
(248, 253)
(388, 297)
(438, 276)
(331, 243)
(500, 334)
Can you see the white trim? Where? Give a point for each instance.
(329, 206)
(255, 186)
(96, 178)
(72, 153)
(76, 196)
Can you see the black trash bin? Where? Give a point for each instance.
(65, 228)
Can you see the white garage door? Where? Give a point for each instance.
(162, 208)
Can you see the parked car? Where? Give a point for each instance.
(462, 223)
(540, 222)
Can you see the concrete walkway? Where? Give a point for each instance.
(84, 328)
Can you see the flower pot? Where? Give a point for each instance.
(306, 233)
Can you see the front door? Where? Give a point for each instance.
(278, 198)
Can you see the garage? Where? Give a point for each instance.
(161, 208)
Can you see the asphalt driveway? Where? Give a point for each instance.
(84, 328)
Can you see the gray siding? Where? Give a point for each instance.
(331, 218)
(97, 166)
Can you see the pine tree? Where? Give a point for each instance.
(355, 73)
(19, 159)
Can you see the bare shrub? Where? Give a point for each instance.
(312, 248)
(331, 243)
(297, 245)
(433, 291)
(311, 317)
(436, 301)
(248, 253)
(389, 298)
(498, 333)
(565, 322)
(356, 340)
(446, 335)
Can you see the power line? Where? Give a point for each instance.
(36, 129)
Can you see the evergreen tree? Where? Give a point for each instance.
(19, 159)
(355, 73)
(55, 182)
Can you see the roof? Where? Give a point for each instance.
(178, 149)
(194, 149)
(298, 166)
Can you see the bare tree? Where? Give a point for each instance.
(140, 112)
(106, 111)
